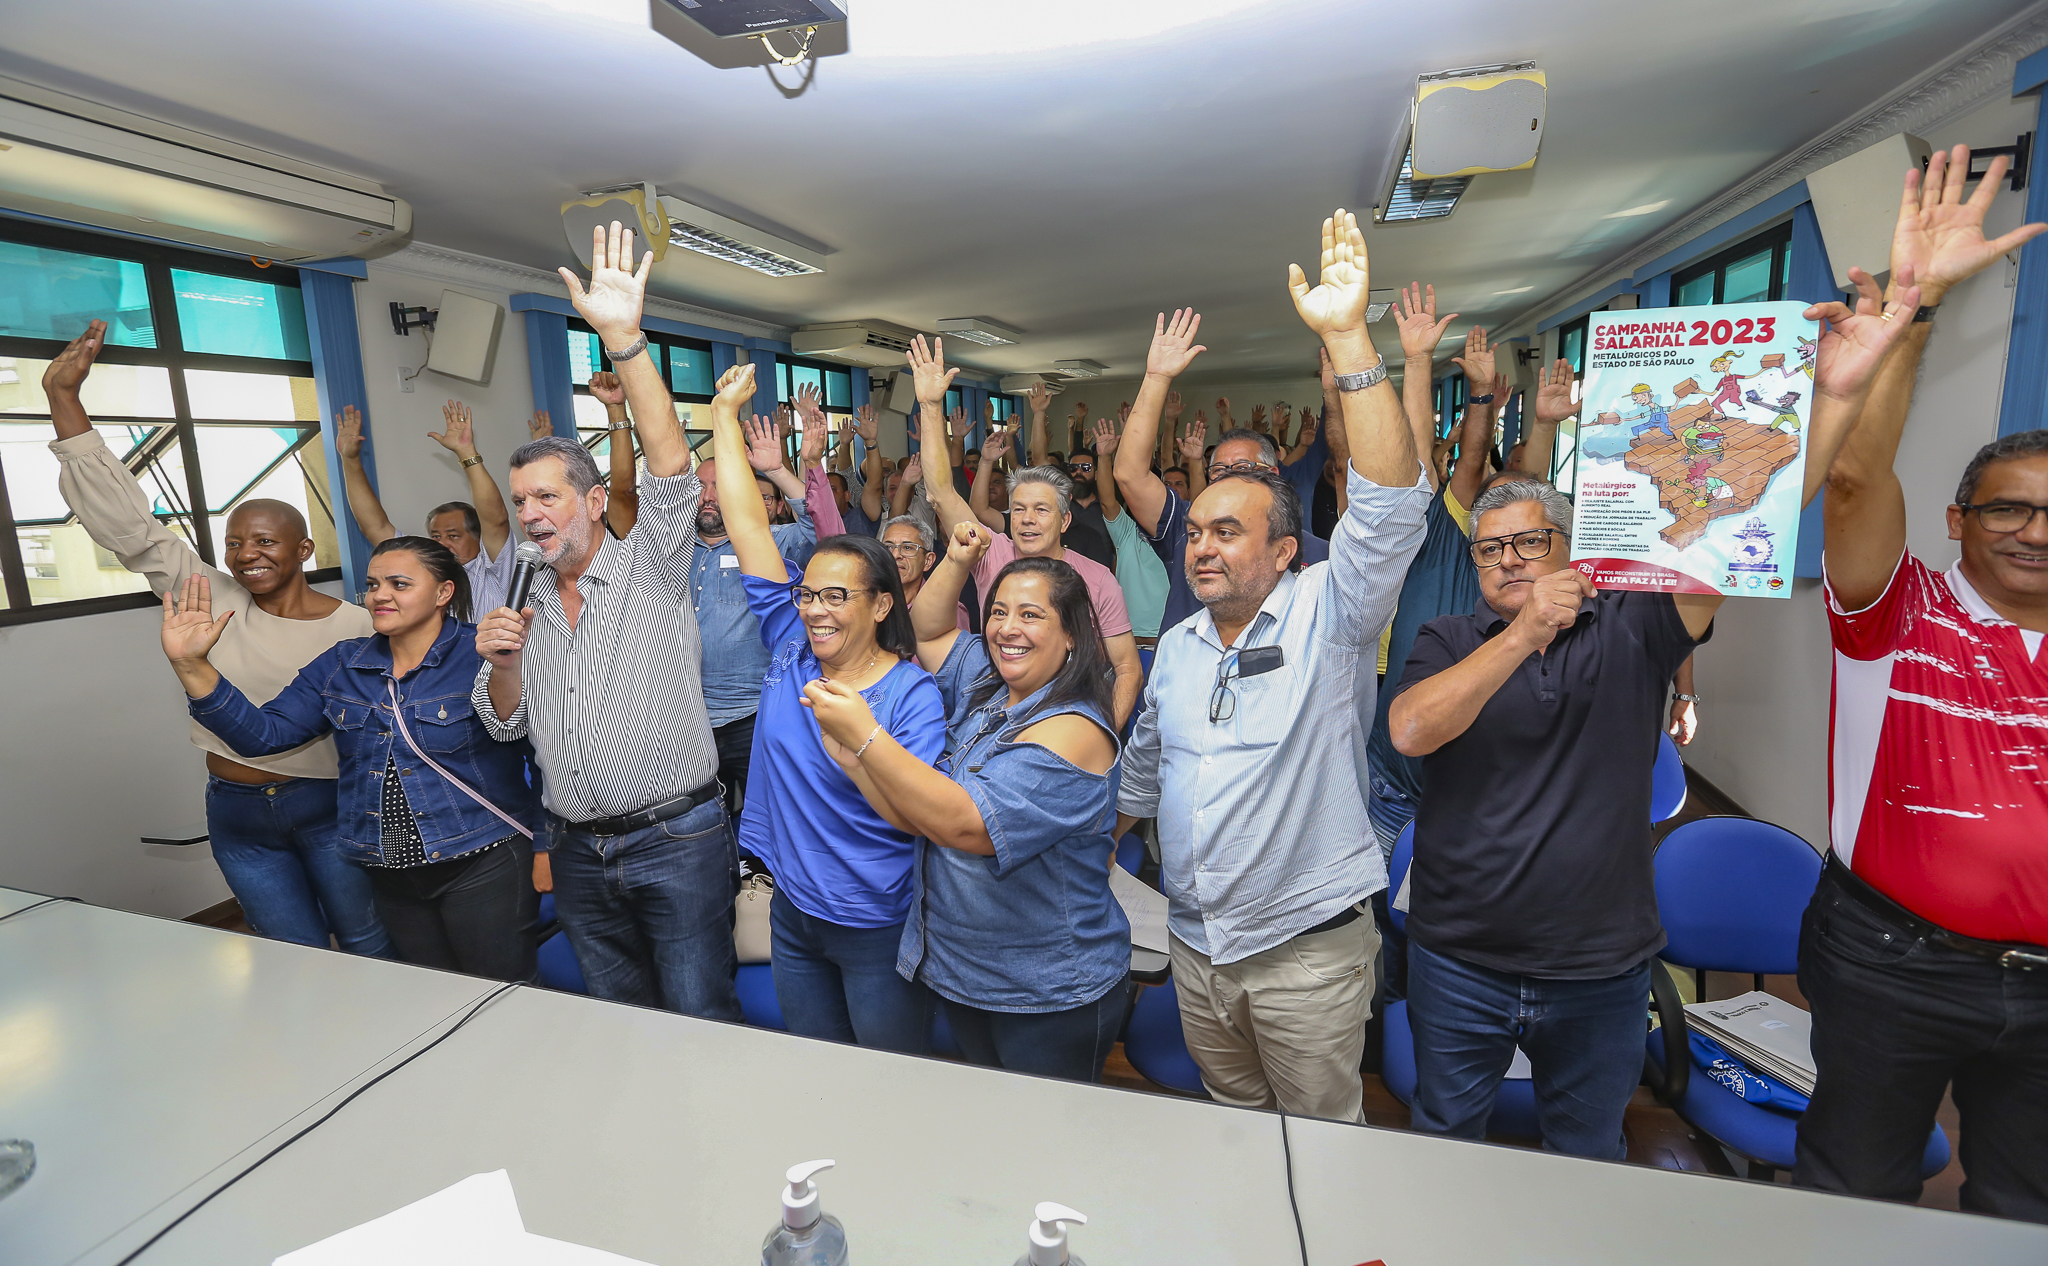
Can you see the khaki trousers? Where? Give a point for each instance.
(1284, 1028)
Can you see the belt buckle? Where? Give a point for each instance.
(2025, 960)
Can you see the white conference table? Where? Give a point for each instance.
(664, 1138)
(12, 899)
(147, 1059)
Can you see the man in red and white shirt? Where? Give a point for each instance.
(1925, 951)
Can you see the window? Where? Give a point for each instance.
(1571, 344)
(833, 382)
(1752, 271)
(204, 390)
(684, 362)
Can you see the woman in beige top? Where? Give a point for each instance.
(271, 819)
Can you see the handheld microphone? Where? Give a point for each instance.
(526, 560)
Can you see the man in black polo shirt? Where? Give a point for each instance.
(1532, 916)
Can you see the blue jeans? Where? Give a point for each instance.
(279, 847)
(649, 913)
(1070, 1044)
(1584, 1039)
(840, 982)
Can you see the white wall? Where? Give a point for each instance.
(1766, 675)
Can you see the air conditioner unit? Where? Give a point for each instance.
(1021, 384)
(71, 159)
(876, 344)
(1079, 368)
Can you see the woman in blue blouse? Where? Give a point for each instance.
(450, 870)
(1014, 926)
(842, 873)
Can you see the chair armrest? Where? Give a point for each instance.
(1669, 1086)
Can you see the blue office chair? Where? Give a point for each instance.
(1155, 1045)
(1731, 893)
(1130, 852)
(1667, 782)
(1514, 1104)
(1145, 660)
(756, 985)
(558, 967)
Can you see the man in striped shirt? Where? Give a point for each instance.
(602, 672)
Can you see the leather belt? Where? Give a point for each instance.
(651, 815)
(2005, 954)
(1349, 914)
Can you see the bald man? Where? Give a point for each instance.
(272, 819)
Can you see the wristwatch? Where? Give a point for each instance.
(1687, 698)
(1926, 312)
(467, 462)
(1485, 399)
(1360, 381)
(638, 346)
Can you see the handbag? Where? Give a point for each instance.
(398, 719)
(751, 937)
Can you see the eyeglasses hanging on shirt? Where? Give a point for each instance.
(1252, 661)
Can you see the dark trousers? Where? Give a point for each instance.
(475, 914)
(1070, 1044)
(840, 982)
(1896, 1019)
(735, 740)
(650, 913)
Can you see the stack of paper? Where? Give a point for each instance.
(1769, 1034)
(1144, 906)
(474, 1223)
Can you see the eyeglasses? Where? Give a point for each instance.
(2003, 518)
(1220, 470)
(1530, 545)
(1223, 700)
(833, 596)
(903, 549)
(1081, 468)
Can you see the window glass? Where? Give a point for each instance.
(782, 380)
(838, 389)
(952, 400)
(228, 396)
(52, 294)
(584, 358)
(240, 463)
(689, 371)
(801, 376)
(31, 468)
(237, 317)
(1695, 293)
(1748, 280)
(590, 413)
(110, 391)
(1572, 346)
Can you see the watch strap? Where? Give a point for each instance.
(1687, 698)
(1485, 399)
(1926, 312)
(1367, 378)
(637, 346)
(477, 460)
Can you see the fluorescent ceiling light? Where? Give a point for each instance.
(721, 237)
(1377, 302)
(1413, 199)
(1518, 290)
(979, 330)
(1648, 208)
(1005, 29)
(1079, 368)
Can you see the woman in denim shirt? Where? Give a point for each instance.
(451, 876)
(1012, 923)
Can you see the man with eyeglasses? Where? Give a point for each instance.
(1158, 509)
(1250, 750)
(1925, 950)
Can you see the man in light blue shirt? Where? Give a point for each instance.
(735, 660)
(1250, 749)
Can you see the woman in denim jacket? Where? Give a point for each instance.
(450, 874)
(1012, 923)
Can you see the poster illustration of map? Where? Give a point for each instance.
(1692, 448)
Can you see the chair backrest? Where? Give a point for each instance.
(1397, 870)
(1130, 852)
(1667, 782)
(1731, 892)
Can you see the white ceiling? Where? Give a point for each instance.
(1067, 167)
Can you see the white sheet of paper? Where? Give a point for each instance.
(473, 1223)
(1143, 905)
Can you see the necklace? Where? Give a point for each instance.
(872, 661)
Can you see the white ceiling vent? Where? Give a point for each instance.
(876, 344)
(72, 159)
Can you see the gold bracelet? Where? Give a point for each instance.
(467, 462)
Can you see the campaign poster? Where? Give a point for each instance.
(1692, 448)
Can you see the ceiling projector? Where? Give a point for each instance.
(738, 18)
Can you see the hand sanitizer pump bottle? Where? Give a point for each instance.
(808, 1236)
(1049, 1237)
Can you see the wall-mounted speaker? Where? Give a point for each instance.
(465, 337)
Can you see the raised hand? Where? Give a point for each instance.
(812, 450)
(1105, 438)
(607, 390)
(1421, 330)
(810, 404)
(1309, 428)
(458, 435)
(868, 422)
(540, 424)
(1554, 401)
(996, 447)
(190, 629)
(1259, 418)
(784, 426)
(1171, 410)
(67, 372)
(928, 372)
(764, 444)
(1940, 235)
(1335, 308)
(348, 432)
(913, 469)
(968, 543)
(1552, 606)
(1477, 362)
(1194, 441)
(956, 424)
(1853, 344)
(1223, 418)
(612, 302)
(1123, 413)
(735, 389)
(988, 411)
(1040, 398)
(1173, 345)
